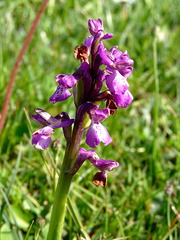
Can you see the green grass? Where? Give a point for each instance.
(146, 135)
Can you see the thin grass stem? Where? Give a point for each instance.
(156, 110)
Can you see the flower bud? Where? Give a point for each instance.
(95, 26)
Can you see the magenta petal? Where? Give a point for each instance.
(107, 36)
(106, 56)
(123, 100)
(115, 59)
(39, 120)
(41, 138)
(63, 123)
(116, 83)
(120, 58)
(60, 94)
(97, 133)
(67, 81)
(83, 154)
(41, 141)
(88, 41)
(116, 52)
(46, 130)
(52, 121)
(103, 165)
(43, 119)
(126, 72)
(100, 115)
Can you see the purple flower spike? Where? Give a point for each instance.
(92, 84)
(41, 138)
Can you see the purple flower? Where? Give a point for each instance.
(62, 92)
(116, 60)
(122, 62)
(41, 138)
(66, 82)
(97, 132)
(101, 164)
(118, 69)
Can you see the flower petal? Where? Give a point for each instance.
(43, 119)
(39, 120)
(99, 115)
(116, 83)
(107, 57)
(46, 130)
(41, 141)
(67, 81)
(88, 42)
(60, 94)
(97, 133)
(83, 154)
(123, 100)
(107, 36)
(103, 165)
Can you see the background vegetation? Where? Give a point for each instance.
(137, 202)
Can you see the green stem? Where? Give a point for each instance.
(156, 110)
(59, 207)
(64, 182)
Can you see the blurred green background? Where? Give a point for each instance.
(137, 202)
